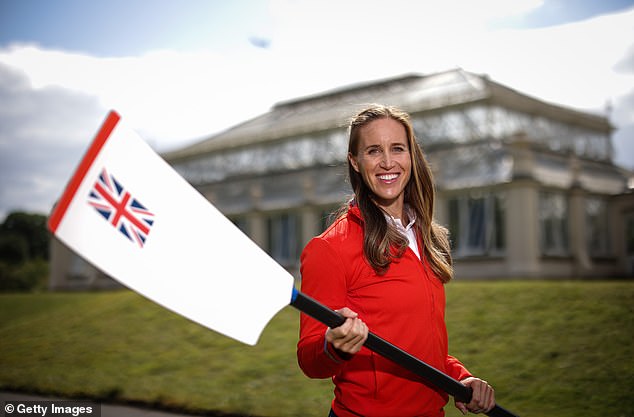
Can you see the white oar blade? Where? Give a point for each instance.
(132, 216)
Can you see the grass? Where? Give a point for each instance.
(549, 348)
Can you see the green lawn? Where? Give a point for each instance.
(549, 348)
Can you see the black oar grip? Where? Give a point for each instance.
(433, 376)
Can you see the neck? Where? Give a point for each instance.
(396, 210)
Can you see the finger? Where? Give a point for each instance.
(350, 336)
(348, 324)
(358, 342)
(356, 332)
(357, 336)
(341, 337)
(343, 330)
(486, 397)
(490, 400)
(347, 313)
(462, 407)
(351, 346)
(348, 346)
(479, 397)
(485, 400)
(475, 405)
(360, 329)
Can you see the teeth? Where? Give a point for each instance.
(388, 177)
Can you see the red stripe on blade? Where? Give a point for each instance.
(69, 193)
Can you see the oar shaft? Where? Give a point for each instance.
(440, 380)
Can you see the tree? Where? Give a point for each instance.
(14, 249)
(24, 242)
(31, 228)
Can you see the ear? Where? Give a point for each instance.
(353, 161)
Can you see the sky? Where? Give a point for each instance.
(181, 71)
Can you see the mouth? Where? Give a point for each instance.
(388, 178)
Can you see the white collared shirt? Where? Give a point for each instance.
(407, 231)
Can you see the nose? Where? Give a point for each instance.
(387, 161)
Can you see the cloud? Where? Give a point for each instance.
(58, 100)
(570, 64)
(358, 40)
(626, 64)
(623, 114)
(623, 139)
(585, 65)
(168, 96)
(43, 134)
(557, 12)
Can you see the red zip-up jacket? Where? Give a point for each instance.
(405, 306)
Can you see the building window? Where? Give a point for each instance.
(553, 218)
(284, 238)
(476, 224)
(80, 270)
(499, 220)
(629, 233)
(597, 227)
(476, 231)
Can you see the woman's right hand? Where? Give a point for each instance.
(350, 336)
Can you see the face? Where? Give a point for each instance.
(383, 161)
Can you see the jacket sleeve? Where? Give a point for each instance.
(456, 369)
(323, 278)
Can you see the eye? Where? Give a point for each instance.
(399, 148)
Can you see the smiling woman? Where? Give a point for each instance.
(383, 265)
(401, 186)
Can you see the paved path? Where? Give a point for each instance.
(107, 410)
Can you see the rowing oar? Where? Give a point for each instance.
(130, 214)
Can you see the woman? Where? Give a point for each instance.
(383, 264)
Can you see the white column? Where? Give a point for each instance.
(522, 213)
(310, 223)
(522, 229)
(578, 234)
(258, 229)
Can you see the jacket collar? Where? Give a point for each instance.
(355, 211)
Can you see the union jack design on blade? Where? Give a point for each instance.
(122, 211)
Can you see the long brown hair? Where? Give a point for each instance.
(381, 242)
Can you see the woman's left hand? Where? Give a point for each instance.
(482, 400)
